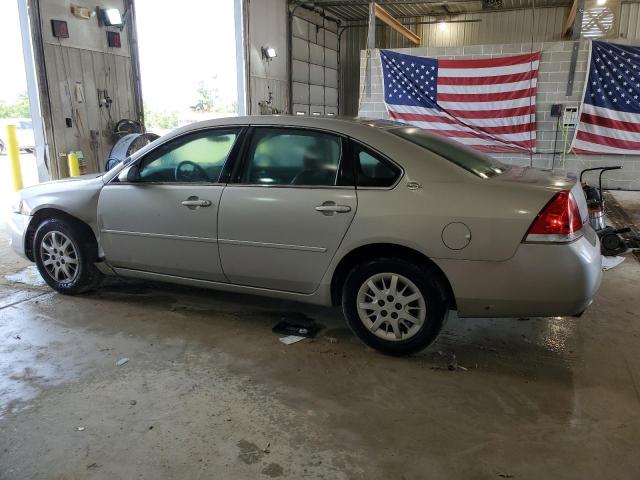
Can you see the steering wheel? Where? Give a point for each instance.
(195, 173)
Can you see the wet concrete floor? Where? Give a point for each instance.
(210, 392)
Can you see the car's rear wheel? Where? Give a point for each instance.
(393, 305)
(65, 254)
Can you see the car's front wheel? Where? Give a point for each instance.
(65, 254)
(393, 305)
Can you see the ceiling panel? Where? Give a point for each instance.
(358, 9)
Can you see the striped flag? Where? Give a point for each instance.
(610, 115)
(488, 104)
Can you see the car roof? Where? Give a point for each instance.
(345, 125)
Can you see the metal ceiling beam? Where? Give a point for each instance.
(365, 3)
(386, 17)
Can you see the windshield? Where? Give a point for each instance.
(481, 165)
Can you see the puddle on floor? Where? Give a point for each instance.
(28, 276)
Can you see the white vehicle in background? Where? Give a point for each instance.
(24, 132)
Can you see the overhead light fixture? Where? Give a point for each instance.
(601, 2)
(111, 17)
(300, 113)
(268, 52)
(442, 25)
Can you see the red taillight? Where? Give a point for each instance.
(559, 220)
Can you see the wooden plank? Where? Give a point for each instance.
(386, 17)
(571, 17)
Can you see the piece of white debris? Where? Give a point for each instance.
(122, 361)
(80, 429)
(611, 262)
(289, 339)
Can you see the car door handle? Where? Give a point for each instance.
(326, 207)
(190, 202)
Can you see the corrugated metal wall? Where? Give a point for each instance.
(515, 26)
(629, 21)
(472, 29)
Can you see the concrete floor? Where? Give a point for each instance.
(210, 392)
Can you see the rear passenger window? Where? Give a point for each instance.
(373, 171)
(292, 157)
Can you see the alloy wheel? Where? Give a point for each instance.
(391, 306)
(59, 257)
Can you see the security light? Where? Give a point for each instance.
(442, 26)
(268, 52)
(111, 17)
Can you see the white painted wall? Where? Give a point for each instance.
(268, 26)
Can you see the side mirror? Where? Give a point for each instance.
(130, 174)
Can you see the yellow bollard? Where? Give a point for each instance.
(14, 158)
(74, 164)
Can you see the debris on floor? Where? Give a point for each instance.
(29, 276)
(80, 429)
(611, 262)
(446, 361)
(298, 324)
(289, 339)
(332, 339)
(122, 361)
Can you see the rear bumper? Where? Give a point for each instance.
(540, 280)
(17, 228)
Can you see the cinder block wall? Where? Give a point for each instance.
(552, 85)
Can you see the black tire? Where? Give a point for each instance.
(87, 277)
(424, 278)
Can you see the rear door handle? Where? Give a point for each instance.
(330, 207)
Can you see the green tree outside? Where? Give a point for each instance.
(17, 109)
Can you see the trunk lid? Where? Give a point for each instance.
(548, 183)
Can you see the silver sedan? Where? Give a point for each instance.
(395, 224)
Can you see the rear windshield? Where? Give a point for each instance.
(475, 162)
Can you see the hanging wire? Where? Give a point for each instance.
(533, 26)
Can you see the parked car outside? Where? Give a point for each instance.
(397, 225)
(24, 134)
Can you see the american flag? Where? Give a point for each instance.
(610, 115)
(488, 104)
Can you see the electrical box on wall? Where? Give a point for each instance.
(113, 39)
(556, 110)
(59, 28)
(570, 116)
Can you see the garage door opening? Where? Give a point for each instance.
(187, 62)
(14, 106)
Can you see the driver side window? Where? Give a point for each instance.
(195, 158)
